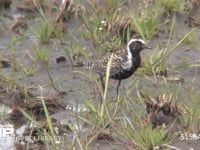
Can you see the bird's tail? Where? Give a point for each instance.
(79, 64)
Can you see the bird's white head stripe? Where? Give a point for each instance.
(134, 40)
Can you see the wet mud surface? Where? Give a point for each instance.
(30, 79)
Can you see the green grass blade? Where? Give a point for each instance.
(106, 85)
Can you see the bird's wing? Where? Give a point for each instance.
(100, 65)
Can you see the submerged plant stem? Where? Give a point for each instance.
(52, 82)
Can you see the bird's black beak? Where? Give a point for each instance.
(147, 47)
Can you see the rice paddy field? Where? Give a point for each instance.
(47, 103)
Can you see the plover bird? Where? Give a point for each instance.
(125, 61)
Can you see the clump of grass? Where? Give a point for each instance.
(109, 46)
(150, 65)
(49, 132)
(75, 52)
(156, 63)
(135, 130)
(171, 5)
(4, 110)
(48, 29)
(10, 84)
(12, 46)
(100, 119)
(94, 31)
(191, 115)
(101, 27)
(146, 23)
(60, 32)
(112, 5)
(49, 121)
(69, 9)
(42, 55)
(101, 38)
(44, 32)
(147, 138)
(29, 71)
(192, 40)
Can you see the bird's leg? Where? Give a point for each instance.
(103, 87)
(118, 87)
(102, 83)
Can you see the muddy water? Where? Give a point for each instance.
(77, 87)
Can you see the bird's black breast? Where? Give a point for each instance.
(125, 73)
